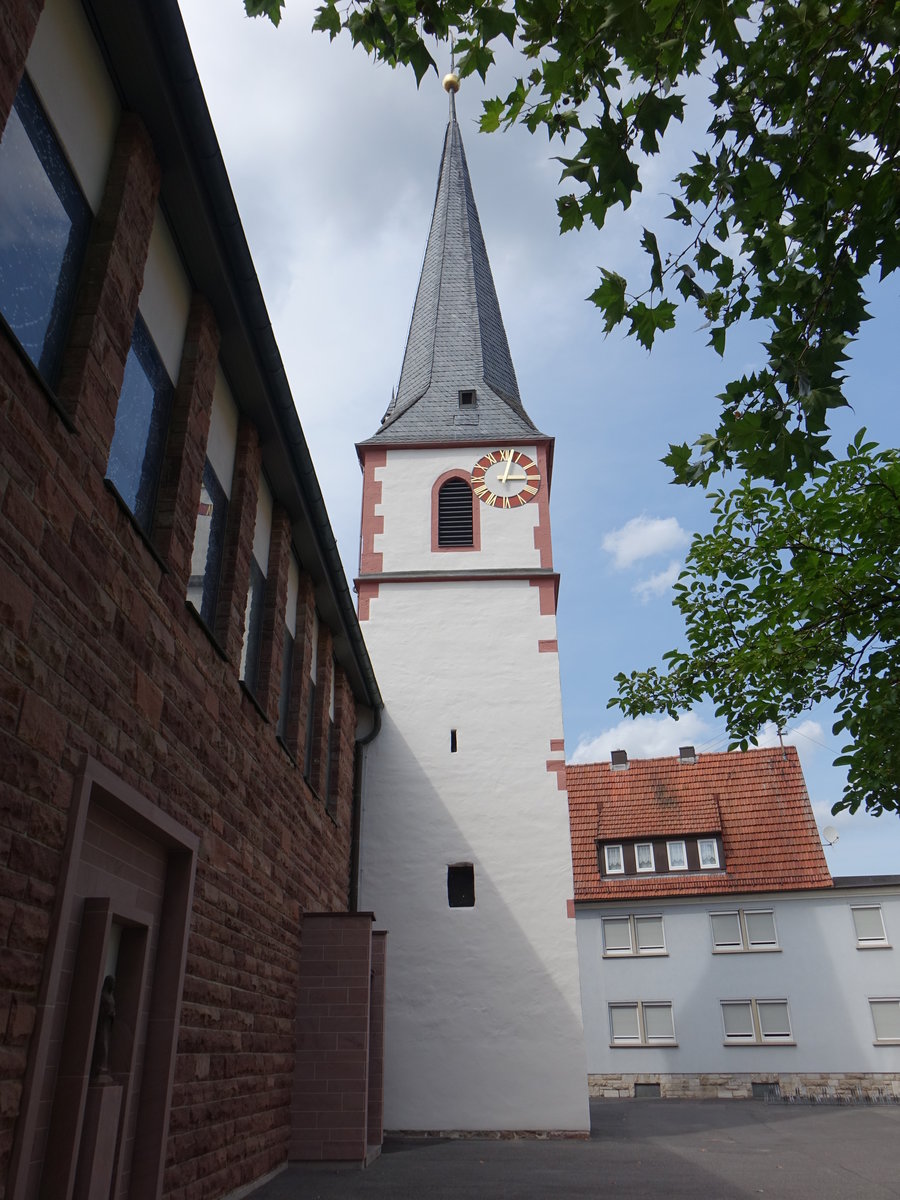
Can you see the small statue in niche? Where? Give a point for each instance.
(102, 1038)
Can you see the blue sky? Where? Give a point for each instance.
(334, 162)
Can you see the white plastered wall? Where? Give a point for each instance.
(817, 968)
(483, 1013)
(407, 479)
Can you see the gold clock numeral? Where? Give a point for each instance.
(506, 501)
(490, 459)
(532, 491)
(506, 455)
(480, 490)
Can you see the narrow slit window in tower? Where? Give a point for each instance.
(452, 741)
(461, 885)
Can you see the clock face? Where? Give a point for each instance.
(505, 478)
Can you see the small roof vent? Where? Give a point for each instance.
(618, 760)
(687, 754)
(468, 398)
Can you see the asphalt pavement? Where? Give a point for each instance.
(677, 1149)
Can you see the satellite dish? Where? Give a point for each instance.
(830, 834)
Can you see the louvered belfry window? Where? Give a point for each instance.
(455, 513)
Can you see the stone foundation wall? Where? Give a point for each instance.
(800, 1086)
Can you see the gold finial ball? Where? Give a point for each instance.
(451, 82)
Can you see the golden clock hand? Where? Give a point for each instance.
(505, 476)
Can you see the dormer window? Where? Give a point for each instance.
(709, 853)
(643, 857)
(468, 398)
(615, 863)
(677, 854)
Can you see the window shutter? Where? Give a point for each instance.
(455, 514)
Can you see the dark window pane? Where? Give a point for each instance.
(135, 457)
(461, 885)
(284, 697)
(310, 730)
(330, 791)
(253, 625)
(209, 543)
(44, 226)
(455, 514)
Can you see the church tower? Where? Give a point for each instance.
(465, 854)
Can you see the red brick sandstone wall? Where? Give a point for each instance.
(100, 656)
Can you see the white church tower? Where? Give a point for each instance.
(465, 855)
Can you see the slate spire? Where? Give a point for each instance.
(456, 340)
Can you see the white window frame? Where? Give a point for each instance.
(873, 1000)
(746, 946)
(683, 844)
(642, 1040)
(714, 842)
(620, 870)
(634, 945)
(870, 943)
(637, 866)
(757, 1037)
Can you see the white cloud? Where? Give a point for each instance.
(643, 537)
(658, 584)
(644, 737)
(805, 731)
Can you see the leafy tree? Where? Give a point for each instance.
(790, 202)
(793, 598)
(789, 207)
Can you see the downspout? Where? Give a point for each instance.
(356, 818)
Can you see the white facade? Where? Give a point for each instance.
(827, 966)
(483, 1015)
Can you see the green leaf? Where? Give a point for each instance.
(569, 213)
(610, 298)
(648, 241)
(646, 321)
(268, 8)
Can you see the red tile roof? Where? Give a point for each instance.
(755, 799)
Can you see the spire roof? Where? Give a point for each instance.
(456, 338)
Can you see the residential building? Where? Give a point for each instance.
(718, 956)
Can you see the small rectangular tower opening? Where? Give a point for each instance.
(467, 398)
(452, 741)
(461, 885)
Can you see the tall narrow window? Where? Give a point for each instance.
(311, 705)
(135, 456)
(287, 656)
(154, 360)
(44, 225)
(212, 511)
(331, 782)
(455, 526)
(259, 561)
